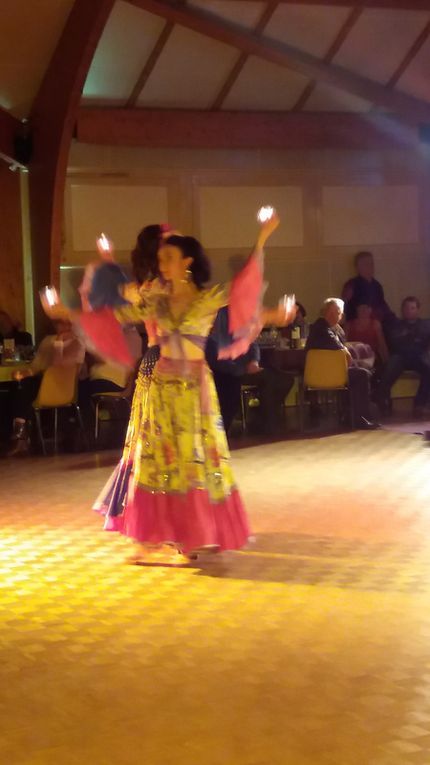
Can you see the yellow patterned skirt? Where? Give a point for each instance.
(111, 500)
(182, 487)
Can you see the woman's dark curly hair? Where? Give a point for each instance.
(144, 259)
(191, 248)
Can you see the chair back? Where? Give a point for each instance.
(326, 370)
(58, 387)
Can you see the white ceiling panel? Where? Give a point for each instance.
(416, 79)
(310, 28)
(326, 98)
(125, 45)
(379, 41)
(189, 73)
(236, 11)
(262, 85)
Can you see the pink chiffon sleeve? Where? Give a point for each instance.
(244, 306)
(104, 331)
(105, 337)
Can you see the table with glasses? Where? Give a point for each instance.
(291, 360)
(287, 359)
(9, 369)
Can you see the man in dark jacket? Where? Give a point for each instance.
(364, 289)
(229, 374)
(409, 345)
(324, 336)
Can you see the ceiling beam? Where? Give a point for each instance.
(287, 56)
(166, 128)
(150, 64)
(410, 55)
(9, 127)
(340, 38)
(406, 5)
(264, 19)
(152, 61)
(52, 120)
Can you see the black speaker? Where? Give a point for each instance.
(23, 144)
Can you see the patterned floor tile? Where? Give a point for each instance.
(312, 647)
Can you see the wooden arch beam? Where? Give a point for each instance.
(288, 56)
(53, 118)
(404, 5)
(243, 130)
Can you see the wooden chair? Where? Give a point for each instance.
(406, 387)
(326, 372)
(58, 390)
(248, 400)
(115, 397)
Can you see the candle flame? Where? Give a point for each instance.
(265, 213)
(104, 243)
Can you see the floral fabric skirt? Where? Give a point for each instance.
(111, 499)
(182, 488)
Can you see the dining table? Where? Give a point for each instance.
(8, 370)
(287, 359)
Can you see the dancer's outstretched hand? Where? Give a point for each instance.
(267, 228)
(105, 248)
(57, 311)
(281, 316)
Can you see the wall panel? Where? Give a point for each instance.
(331, 205)
(369, 215)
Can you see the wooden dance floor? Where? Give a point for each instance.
(310, 648)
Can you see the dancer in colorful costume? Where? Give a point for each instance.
(144, 259)
(182, 497)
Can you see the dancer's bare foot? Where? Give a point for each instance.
(161, 555)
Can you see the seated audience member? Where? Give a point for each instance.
(273, 385)
(366, 329)
(9, 330)
(409, 344)
(365, 289)
(301, 314)
(323, 336)
(61, 349)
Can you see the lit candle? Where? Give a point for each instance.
(265, 213)
(287, 303)
(51, 296)
(104, 243)
(290, 302)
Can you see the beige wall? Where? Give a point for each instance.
(331, 203)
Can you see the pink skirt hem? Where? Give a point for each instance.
(190, 520)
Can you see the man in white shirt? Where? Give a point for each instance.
(62, 349)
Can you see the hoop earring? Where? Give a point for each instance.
(188, 277)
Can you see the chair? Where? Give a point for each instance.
(248, 400)
(325, 372)
(406, 387)
(111, 396)
(293, 400)
(58, 390)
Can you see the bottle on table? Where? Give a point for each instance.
(8, 349)
(295, 337)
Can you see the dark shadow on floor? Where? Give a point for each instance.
(324, 562)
